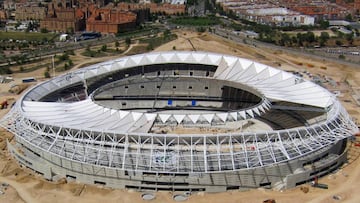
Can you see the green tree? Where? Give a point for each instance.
(104, 48)
(166, 34)
(357, 32)
(18, 23)
(338, 42)
(70, 52)
(324, 37)
(350, 38)
(324, 24)
(348, 17)
(310, 37)
(44, 30)
(150, 47)
(64, 57)
(46, 74)
(285, 40)
(70, 30)
(128, 41)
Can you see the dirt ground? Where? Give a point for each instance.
(24, 186)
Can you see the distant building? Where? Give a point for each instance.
(9, 5)
(169, 9)
(320, 10)
(353, 6)
(266, 13)
(176, 2)
(30, 13)
(106, 20)
(280, 16)
(63, 18)
(288, 12)
(144, 1)
(3, 14)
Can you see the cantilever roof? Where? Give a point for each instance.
(274, 84)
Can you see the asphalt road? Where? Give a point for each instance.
(297, 51)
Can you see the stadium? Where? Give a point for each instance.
(180, 121)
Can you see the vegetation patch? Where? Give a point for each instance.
(159, 40)
(29, 36)
(92, 53)
(196, 21)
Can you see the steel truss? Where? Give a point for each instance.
(178, 153)
(171, 153)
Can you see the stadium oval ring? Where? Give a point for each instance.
(180, 121)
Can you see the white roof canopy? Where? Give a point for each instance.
(274, 84)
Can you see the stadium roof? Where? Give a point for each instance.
(274, 84)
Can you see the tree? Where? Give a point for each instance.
(70, 52)
(300, 39)
(348, 17)
(44, 30)
(357, 32)
(338, 42)
(166, 33)
(30, 27)
(18, 23)
(64, 57)
(104, 48)
(310, 37)
(285, 39)
(70, 30)
(350, 38)
(46, 74)
(342, 57)
(324, 36)
(128, 41)
(324, 24)
(150, 47)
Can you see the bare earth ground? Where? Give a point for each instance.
(27, 187)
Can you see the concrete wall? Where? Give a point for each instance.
(287, 174)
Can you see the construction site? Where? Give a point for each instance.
(238, 123)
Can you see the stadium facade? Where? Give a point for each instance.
(180, 121)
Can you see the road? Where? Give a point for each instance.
(296, 51)
(61, 48)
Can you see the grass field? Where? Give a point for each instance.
(30, 36)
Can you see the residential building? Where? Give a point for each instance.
(107, 20)
(30, 13)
